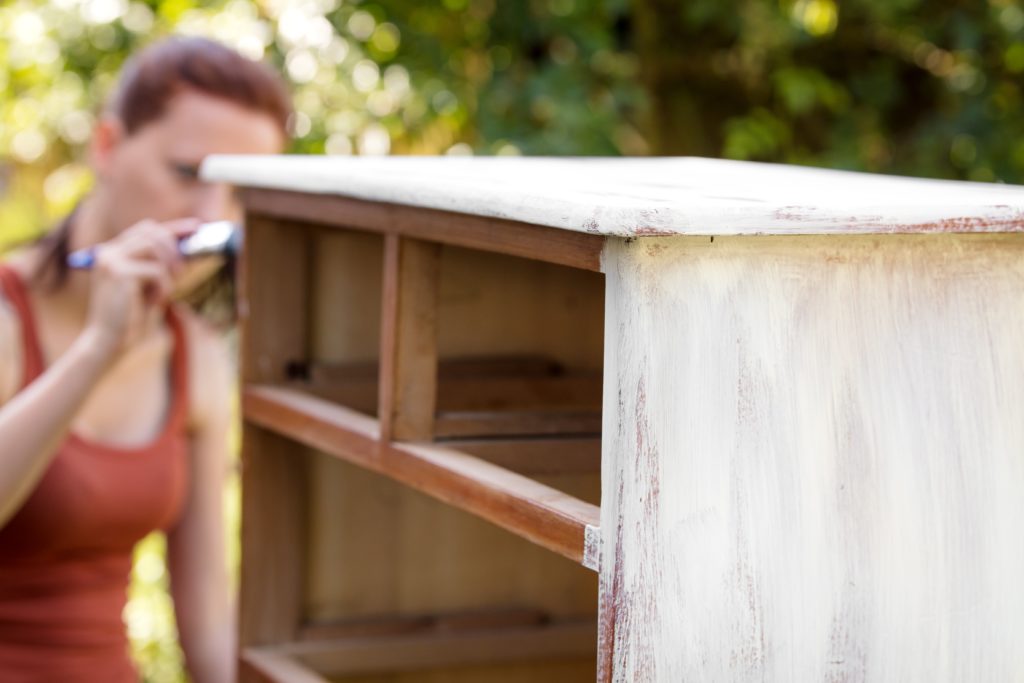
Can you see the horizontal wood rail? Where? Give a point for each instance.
(483, 423)
(538, 513)
(408, 624)
(490, 386)
(483, 392)
(536, 456)
(308, 662)
(564, 247)
(479, 398)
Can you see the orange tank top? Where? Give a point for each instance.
(65, 556)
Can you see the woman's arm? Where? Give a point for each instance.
(35, 421)
(196, 546)
(130, 280)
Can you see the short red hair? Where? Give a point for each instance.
(148, 83)
(151, 79)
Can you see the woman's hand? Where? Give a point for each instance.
(132, 276)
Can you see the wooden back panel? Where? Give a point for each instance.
(346, 294)
(377, 547)
(498, 305)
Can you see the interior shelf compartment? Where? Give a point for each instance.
(530, 509)
(422, 455)
(479, 397)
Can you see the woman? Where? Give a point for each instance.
(114, 400)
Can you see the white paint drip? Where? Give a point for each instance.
(592, 547)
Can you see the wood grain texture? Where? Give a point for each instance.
(637, 197)
(357, 551)
(550, 422)
(274, 524)
(488, 390)
(390, 625)
(814, 460)
(560, 670)
(345, 288)
(537, 456)
(492, 234)
(432, 650)
(274, 301)
(536, 512)
(408, 368)
(274, 316)
(382, 551)
(495, 305)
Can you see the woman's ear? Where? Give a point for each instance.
(106, 137)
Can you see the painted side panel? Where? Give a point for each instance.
(813, 459)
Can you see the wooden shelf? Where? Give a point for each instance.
(539, 513)
(310, 662)
(483, 423)
(537, 455)
(410, 624)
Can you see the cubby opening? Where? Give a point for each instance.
(423, 426)
(389, 565)
(341, 358)
(520, 348)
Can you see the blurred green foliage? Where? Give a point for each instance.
(401, 77)
(900, 86)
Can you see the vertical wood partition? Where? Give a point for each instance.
(408, 368)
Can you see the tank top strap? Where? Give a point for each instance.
(178, 417)
(13, 288)
(16, 293)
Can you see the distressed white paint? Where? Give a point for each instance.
(592, 547)
(813, 453)
(813, 460)
(645, 196)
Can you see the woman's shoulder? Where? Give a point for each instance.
(210, 367)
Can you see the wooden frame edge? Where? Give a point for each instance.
(555, 245)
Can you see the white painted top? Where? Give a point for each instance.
(645, 196)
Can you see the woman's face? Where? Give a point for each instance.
(153, 173)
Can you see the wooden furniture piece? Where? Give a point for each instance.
(631, 420)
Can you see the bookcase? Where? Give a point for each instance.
(637, 420)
